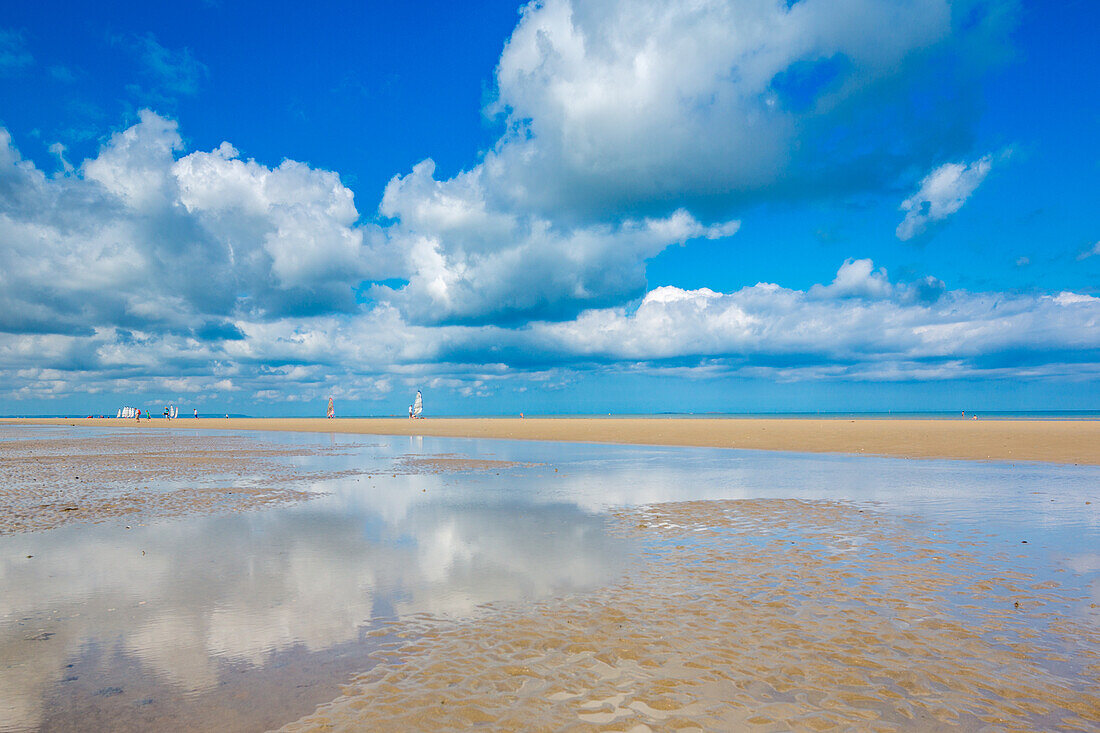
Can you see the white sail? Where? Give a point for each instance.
(418, 405)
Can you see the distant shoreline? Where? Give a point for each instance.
(1072, 441)
(857, 415)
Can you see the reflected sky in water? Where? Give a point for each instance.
(138, 618)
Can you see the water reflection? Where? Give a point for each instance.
(182, 601)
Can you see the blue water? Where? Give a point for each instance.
(887, 415)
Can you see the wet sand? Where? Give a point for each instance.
(92, 478)
(1055, 441)
(756, 615)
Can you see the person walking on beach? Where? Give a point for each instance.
(196, 413)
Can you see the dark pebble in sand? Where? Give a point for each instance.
(1023, 542)
(109, 691)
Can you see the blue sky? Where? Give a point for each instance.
(555, 207)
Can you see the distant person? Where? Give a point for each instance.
(410, 412)
(196, 413)
(227, 417)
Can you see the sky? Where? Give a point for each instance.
(558, 207)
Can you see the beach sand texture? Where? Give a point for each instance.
(93, 478)
(1056, 441)
(754, 615)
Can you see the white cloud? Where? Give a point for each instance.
(1068, 298)
(470, 262)
(631, 126)
(138, 239)
(1091, 252)
(628, 128)
(856, 278)
(941, 193)
(885, 333)
(299, 221)
(59, 150)
(135, 164)
(622, 104)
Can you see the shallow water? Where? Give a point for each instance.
(249, 620)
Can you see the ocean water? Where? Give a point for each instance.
(873, 415)
(256, 617)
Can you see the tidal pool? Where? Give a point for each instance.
(247, 620)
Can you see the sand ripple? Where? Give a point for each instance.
(756, 615)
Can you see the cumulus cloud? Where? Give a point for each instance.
(856, 278)
(844, 330)
(468, 262)
(653, 105)
(861, 325)
(631, 126)
(942, 192)
(143, 240)
(627, 128)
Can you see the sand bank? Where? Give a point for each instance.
(1055, 441)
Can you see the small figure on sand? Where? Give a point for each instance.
(331, 412)
(196, 413)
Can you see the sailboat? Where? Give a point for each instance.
(418, 405)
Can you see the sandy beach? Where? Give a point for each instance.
(195, 580)
(1054, 441)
